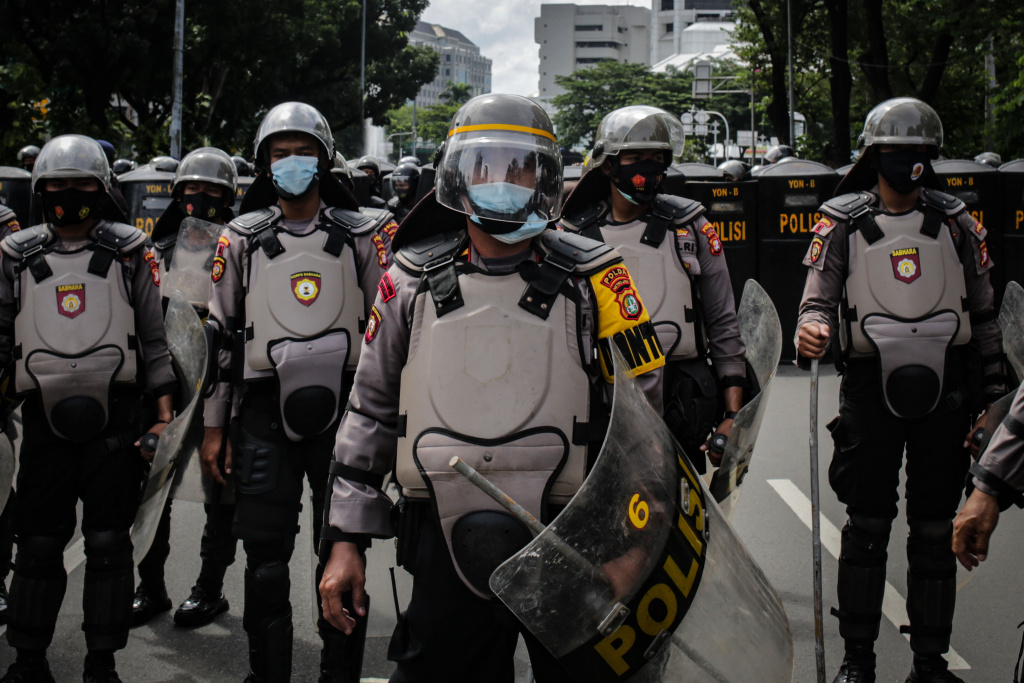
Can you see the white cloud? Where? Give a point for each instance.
(504, 33)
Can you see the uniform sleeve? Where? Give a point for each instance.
(826, 271)
(226, 296)
(621, 319)
(1004, 456)
(149, 322)
(718, 304)
(8, 310)
(986, 336)
(367, 437)
(373, 258)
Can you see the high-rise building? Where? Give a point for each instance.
(461, 62)
(576, 36)
(670, 18)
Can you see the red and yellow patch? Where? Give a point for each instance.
(382, 252)
(682, 232)
(386, 288)
(218, 268)
(154, 267)
(222, 244)
(816, 245)
(306, 287)
(14, 225)
(824, 224)
(71, 300)
(983, 248)
(618, 281)
(979, 228)
(59, 211)
(390, 229)
(906, 264)
(372, 325)
(622, 320)
(708, 230)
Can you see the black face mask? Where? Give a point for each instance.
(201, 205)
(641, 181)
(71, 206)
(904, 169)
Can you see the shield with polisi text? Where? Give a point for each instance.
(640, 577)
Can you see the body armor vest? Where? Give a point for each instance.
(906, 303)
(303, 307)
(75, 334)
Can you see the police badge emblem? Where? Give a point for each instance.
(306, 287)
(906, 264)
(71, 300)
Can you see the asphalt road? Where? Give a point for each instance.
(772, 518)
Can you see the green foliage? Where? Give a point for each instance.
(432, 122)
(240, 59)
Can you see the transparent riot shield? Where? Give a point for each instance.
(641, 577)
(194, 253)
(187, 344)
(762, 336)
(6, 469)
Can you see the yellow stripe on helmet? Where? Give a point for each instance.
(500, 126)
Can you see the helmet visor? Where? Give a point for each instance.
(640, 127)
(501, 175)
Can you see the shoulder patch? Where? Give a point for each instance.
(589, 255)
(843, 206)
(714, 242)
(984, 261)
(679, 209)
(223, 242)
(623, 320)
(154, 266)
(824, 226)
(382, 251)
(386, 288)
(372, 325)
(390, 228)
(217, 270)
(815, 257)
(247, 223)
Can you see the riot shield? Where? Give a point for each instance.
(1011, 320)
(194, 254)
(6, 469)
(762, 336)
(641, 577)
(187, 344)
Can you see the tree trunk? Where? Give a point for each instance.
(778, 109)
(876, 59)
(936, 69)
(840, 81)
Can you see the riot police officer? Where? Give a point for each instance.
(82, 325)
(405, 179)
(518, 319)
(680, 267)
(27, 156)
(293, 283)
(989, 159)
(734, 170)
(204, 187)
(777, 154)
(122, 166)
(898, 278)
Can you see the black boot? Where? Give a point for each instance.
(148, 603)
(341, 659)
(99, 667)
(858, 665)
(200, 608)
(30, 667)
(3, 603)
(931, 669)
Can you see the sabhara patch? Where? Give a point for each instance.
(386, 287)
(382, 252)
(217, 272)
(708, 230)
(372, 325)
(306, 287)
(71, 300)
(617, 279)
(906, 264)
(816, 246)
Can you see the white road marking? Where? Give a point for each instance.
(894, 605)
(73, 556)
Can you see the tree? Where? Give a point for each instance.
(432, 123)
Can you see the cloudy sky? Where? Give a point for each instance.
(504, 32)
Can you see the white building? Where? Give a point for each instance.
(702, 40)
(461, 62)
(576, 36)
(670, 20)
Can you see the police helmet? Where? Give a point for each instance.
(637, 127)
(733, 169)
(409, 160)
(405, 179)
(902, 121)
(295, 117)
(28, 152)
(989, 159)
(778, 153)
(341, 168)
(504, 139)
(369, 162)
(164, 163)
(108, 149)
(208, 165)
(122, 166)
(71, 156)
(242, 167)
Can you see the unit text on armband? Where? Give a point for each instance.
(639, 345)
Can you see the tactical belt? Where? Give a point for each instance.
(356, 475)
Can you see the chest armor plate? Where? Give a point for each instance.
(489, 371)
(73, 312)
(907, 276)
(302, 293)
(663, 284)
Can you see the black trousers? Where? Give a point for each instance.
(449, 634)
(54, 475)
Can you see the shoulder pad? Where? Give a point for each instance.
(17, 243)
(946, 203)
(393, 203)
(125, 238)
(6, 214)
(679, 209)
(843, 206)
(414, 257)
(584, 219)
(589, 255)
(378, 217)
(165, 243)
(248, 223)
(356, 222)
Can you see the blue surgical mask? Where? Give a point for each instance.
(293, 175)
(500, 199)
(524, 232)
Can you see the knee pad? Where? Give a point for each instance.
(861, 584)
(931, 585)
(107, 594)
(37, 591)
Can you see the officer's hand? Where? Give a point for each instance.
(725, 429)
(969, 442)
(209, 454)
(973, 528)
(345, 571)
(156, 430)
(812, 341)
